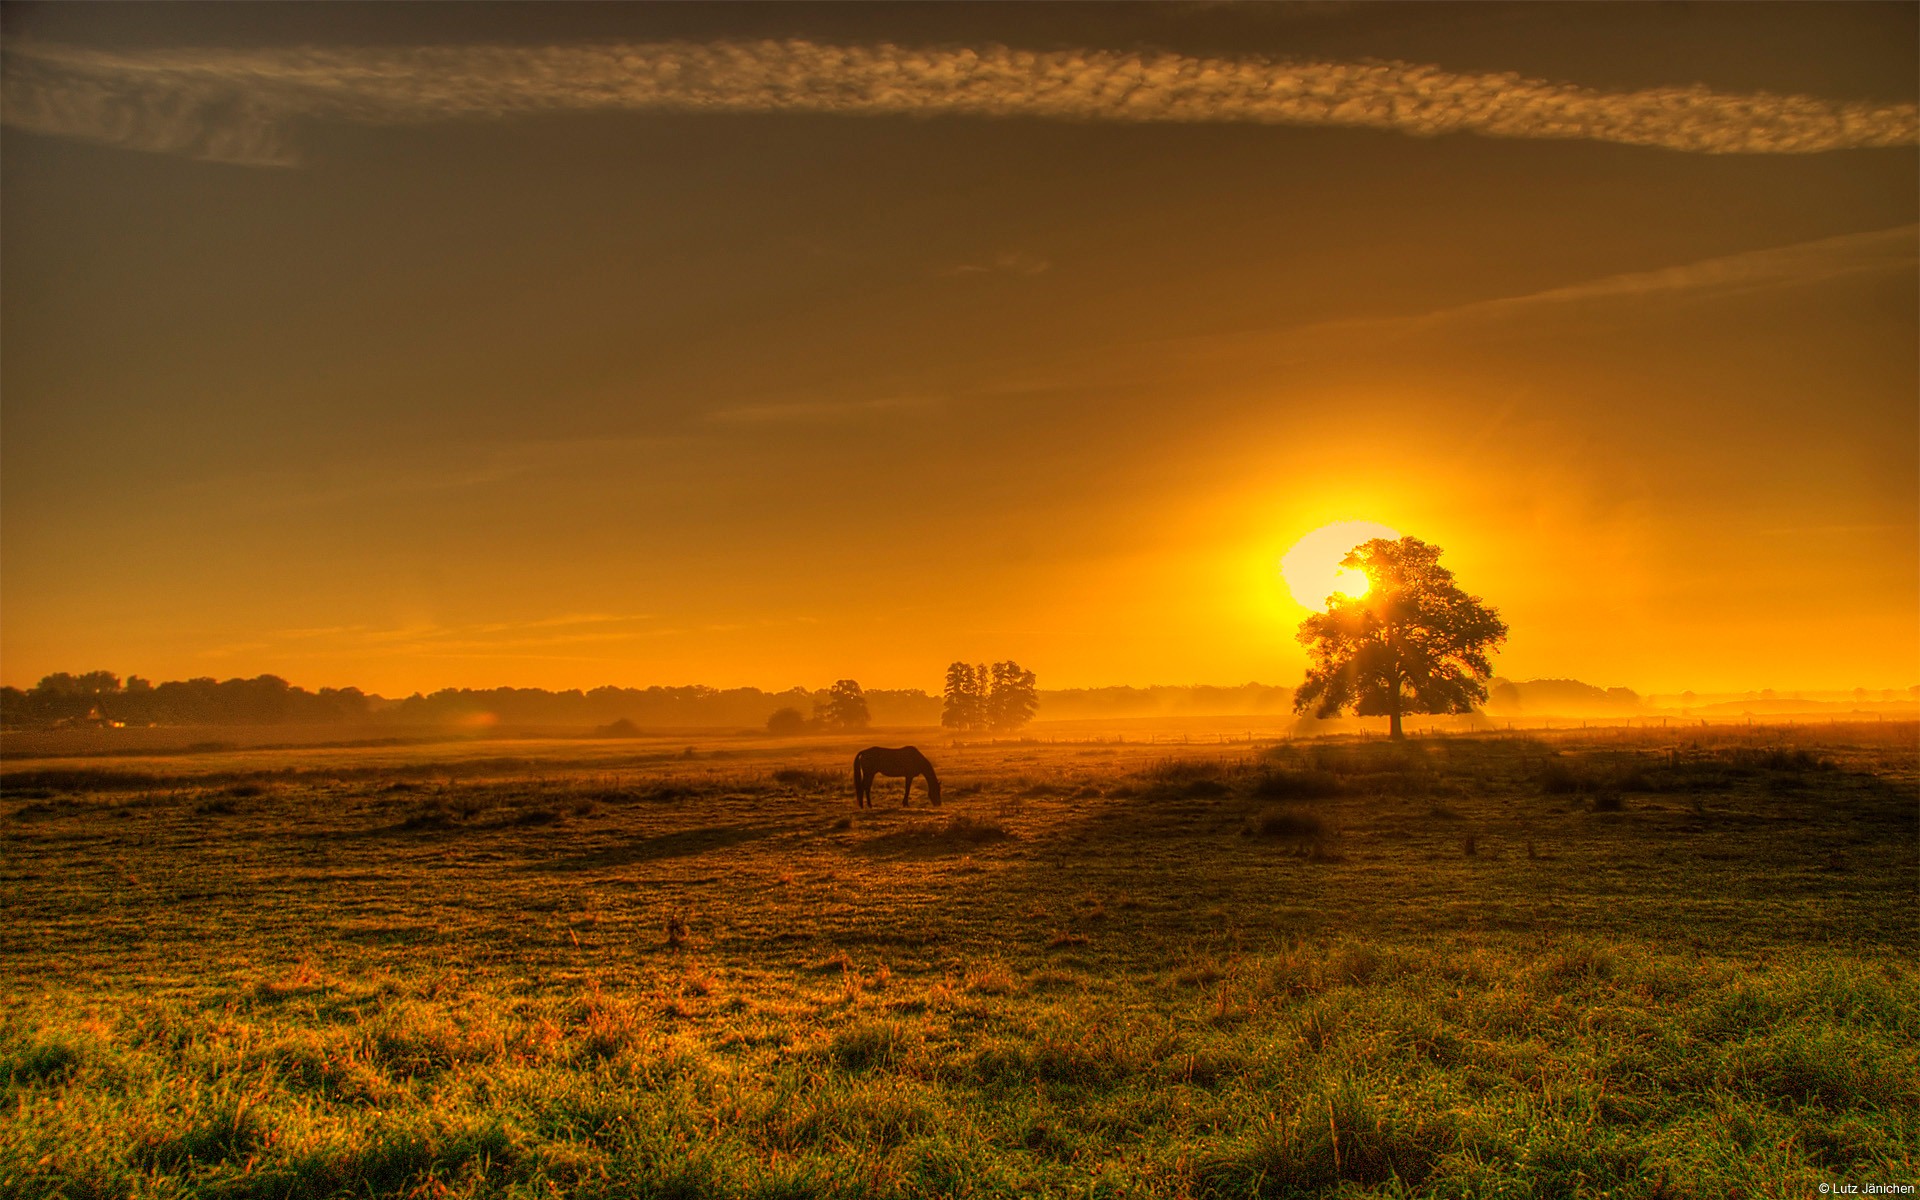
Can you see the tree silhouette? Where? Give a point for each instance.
(962, 711)
(1415, 643)
(786, 722)
(845, 706)
(982, 694)
(1014, 698)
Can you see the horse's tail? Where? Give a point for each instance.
(926, 768)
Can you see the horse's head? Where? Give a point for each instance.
(933, 787)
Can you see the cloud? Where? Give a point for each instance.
(1796, 265)
(572, 629)
(815, 411)
(414, 472)
(1011, 262)
(240, 105)
(1777, 266)
(1247, 353)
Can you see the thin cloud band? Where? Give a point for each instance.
(237, 105)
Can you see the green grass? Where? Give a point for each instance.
(1094, 971)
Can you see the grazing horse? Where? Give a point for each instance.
(883, 760)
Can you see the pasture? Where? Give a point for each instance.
(1654, 963)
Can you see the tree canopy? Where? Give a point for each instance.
(1002, 699)
(845, 706)
(1415, 643)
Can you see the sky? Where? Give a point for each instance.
(418, 346)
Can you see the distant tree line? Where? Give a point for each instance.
(968, 706)
(1199, 700)
(653, 707)
(268, 699)
(981, 699)
(99, 698)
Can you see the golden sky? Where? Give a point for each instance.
(424, 346)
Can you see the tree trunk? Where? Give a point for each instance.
(1393, 712)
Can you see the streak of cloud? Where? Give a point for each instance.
(1248, 352)
(447, 469)
(1012, 262)
(1797, 265)
(571, 629)
(239, 105)
(1776, 266)
(807, 412)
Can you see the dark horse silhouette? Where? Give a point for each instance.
(883, 760)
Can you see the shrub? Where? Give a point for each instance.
(49, 1060)
(432, 817)
(787, 722)
(1777, 758)
(1285, 822)
(1557, 778)
(1184, 770)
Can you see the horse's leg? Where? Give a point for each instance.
(908, 793)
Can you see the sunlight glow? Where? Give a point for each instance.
(1312, 568)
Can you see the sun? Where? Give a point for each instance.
(1312, 568)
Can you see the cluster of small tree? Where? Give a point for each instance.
(982, 699)
(843, 706)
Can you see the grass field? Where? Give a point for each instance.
(1625, 963)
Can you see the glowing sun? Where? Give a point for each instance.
(1312, 568)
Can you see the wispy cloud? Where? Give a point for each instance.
(811, 412)
(1010, 262)
(1797, 265)
(239, 105)
(416, 473)
(1776, 266)
(1247, 352)
(426, 637)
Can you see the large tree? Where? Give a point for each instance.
(963, 710)
(844, 706)
(1014, 699)
(1415, 643)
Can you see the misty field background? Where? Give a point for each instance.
(1650, 963)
